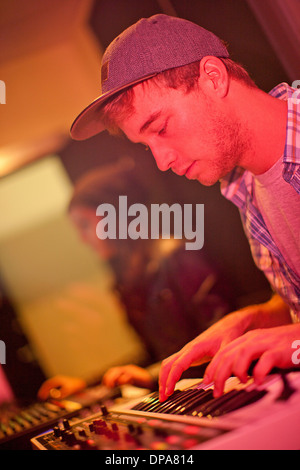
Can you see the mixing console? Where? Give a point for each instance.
(245, 417)
(18, 424)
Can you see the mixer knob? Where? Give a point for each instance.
(82, 432)
(139, 430)
(70, 438)
(56, 431)
(131, 428)
(64, 434)
(99, 426)
(91, 427)
(104, 410)
(66, 424)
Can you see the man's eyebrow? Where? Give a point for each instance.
(149, 121)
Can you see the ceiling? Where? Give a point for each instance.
(49, 62)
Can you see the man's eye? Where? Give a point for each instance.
(162, 131)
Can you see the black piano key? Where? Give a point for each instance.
(198, 402)
(200, 397)
(168, 406)
(243, 399)
(209, 407)
(161, 407)
(177, 399)
(151, 402)
(189, 407)
(142, 406)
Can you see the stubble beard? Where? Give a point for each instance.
(232, 143)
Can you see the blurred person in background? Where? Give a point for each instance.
(170, 294)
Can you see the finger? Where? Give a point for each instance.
(163, 376)
(265, 364)
(111, 377)
(45, 388)
(192, 354)
(124, 378)
(176, 372)
(211, 369)
(237, 362)
(181, 363)
(234, 359)
(214, 365)
(60, 392)
(222, 373)
(43, 393)
(244, 358)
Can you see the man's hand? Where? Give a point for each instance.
(271, 346)
(216, 338)
(60, 386)
(128, 374)
(201, 350)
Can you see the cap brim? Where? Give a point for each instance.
(88, 123)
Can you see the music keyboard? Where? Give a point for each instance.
(245, 417)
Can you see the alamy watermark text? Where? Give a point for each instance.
(165, 221)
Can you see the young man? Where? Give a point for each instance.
(171, 85)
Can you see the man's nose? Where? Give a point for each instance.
(164, 158)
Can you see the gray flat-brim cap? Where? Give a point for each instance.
(150, 46)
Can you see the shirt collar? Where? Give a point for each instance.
(292, 96)
(231, 182)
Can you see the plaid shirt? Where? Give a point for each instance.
(238, 187)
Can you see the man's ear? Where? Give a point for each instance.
(214, 76)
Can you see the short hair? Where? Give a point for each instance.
(185, 77)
